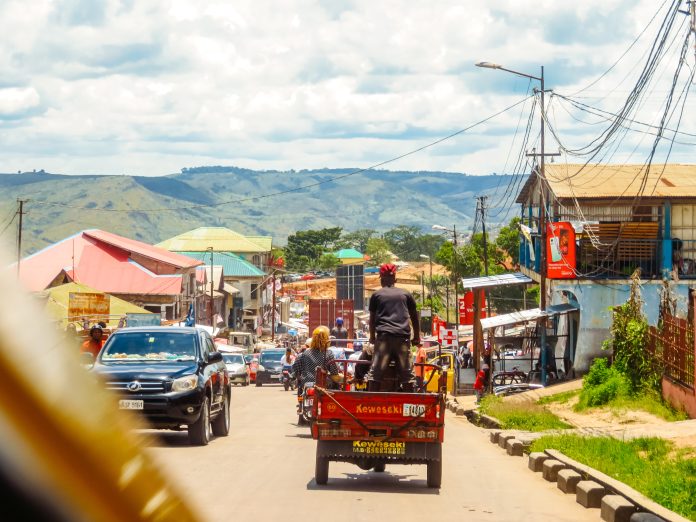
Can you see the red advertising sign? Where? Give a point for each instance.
(466, 307)
(560, 250)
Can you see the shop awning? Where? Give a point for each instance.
(230, 289)
(515, 278)
(523, 316)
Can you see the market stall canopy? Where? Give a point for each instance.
(515, 278)
(525, 316)
(58, 302)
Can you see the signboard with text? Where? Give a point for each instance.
(449, 337)
(466, 307)
(88, 304)
(560, 246)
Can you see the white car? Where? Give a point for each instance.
(237, 368)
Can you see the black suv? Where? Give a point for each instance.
(173, 376)
(269, 369)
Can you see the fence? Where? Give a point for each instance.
(673, 342)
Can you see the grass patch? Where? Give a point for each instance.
(605, 385)
(648, 465)
(559, 398)
(525, 416)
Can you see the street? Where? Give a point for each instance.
(264, 470)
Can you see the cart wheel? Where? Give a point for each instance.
(301, 420)
(434, 473)
(380, 467)
(321, 471)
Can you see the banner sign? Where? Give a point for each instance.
(86, 304)
(560, 248)
(466, 307)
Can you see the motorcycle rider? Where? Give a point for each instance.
(339, 333)
(287, 359)
(391, 309)
(317, 355)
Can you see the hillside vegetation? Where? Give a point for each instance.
(228, 196)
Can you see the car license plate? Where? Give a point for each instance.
(128, 404)
(275, 376)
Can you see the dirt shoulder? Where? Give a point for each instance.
(623, 424)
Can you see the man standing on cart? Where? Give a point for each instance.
(391, 309)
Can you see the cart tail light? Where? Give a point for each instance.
(310, 392)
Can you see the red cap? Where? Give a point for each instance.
(387, 269)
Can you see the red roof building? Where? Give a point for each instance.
(143, 274)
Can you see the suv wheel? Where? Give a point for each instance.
(199, 431)
(221, 424)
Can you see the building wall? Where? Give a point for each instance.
(595, 300)
(679, 397)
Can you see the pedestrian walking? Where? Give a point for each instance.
(479, 385)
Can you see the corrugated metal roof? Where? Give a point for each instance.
(232, 265)
(131, 245)
(349, 253)
(522, 316)
(515, 278)
(220, 238)
(615, 181)
(98, 264)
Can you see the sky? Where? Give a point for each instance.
(149, 87)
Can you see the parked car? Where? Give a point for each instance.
(308, 277)
(237, 368)
(252, 360)
(173, 376)
(511, 389)
(270, 369)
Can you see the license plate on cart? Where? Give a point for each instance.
(275, 376)
(129, 404)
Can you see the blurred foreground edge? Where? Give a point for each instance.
(66, 451)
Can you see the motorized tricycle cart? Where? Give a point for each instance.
(376, 429)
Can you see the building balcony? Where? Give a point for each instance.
(620, 257)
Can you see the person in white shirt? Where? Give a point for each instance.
(288, 358)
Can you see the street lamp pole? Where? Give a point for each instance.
(212, 278)
(542, 206)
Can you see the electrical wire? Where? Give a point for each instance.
(300, 188)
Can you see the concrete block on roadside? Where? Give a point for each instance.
(536, 461)
(616, 508)
(568, 480)
(589, 493)
(493, 436)
(503, 438)
(460, 411)
(550, 469)
(514, 447)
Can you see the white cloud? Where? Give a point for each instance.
(147, 87)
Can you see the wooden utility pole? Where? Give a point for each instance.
(273, 307)
(20, 211)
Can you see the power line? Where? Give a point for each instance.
(303, 187)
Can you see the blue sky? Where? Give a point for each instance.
(149, 87)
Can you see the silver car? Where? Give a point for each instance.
(237, 368)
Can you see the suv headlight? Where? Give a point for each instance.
(187, 383)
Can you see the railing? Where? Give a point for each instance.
(619, 258)
(673, 344)
(684, 255)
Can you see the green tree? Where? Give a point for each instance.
(508, 240)
(378, 250)
(358, 239)
(408, 243)
(328, 261)
(305, 247)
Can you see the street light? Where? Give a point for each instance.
(430, 286)
(542, 204)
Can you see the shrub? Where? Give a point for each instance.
(602, 385)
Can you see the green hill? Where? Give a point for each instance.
(135, 206)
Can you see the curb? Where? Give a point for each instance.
(615, 501)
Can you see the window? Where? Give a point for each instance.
(256, 260)
(254, 290)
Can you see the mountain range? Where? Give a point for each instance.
(267, 202)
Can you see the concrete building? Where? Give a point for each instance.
(606, 221)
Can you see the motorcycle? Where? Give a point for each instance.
(305, 403)
(287, 378)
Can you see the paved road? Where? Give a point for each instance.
(264, 470)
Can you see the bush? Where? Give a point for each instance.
(525, 416)
(602, 385)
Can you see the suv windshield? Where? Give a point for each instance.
(233, 358)
(271, 357)
(150, 346)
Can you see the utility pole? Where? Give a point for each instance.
(212, 278)
(20, 211)
(482, 208)
(273, 308)
(456, 280)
